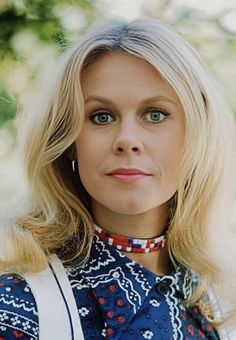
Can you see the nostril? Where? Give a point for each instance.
(120, 149)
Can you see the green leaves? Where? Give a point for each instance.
(7, 107)
(28, 26)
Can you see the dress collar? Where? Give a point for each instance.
(118, 281)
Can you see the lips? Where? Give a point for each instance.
(130, 171)
(130, 175)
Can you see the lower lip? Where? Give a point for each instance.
(128, 178)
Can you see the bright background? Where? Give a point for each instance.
(34, 32)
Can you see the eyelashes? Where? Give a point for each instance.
(101, 118)
(156, 115)
(153, 115)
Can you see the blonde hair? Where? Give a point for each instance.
(60, 215)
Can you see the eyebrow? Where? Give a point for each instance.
(144, 101)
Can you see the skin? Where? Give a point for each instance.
(133, 130)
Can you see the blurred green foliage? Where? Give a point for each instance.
(7, 107)
(41, 17)
(42, 20)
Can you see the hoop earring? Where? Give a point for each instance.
(74, 165)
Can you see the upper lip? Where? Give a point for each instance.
(128, 171)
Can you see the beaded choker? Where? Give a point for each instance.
(129, 244)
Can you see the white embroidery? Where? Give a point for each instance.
(104, 255)
(20, 322)
(15, 320)
(148, 334)
(115, 275)
(26, 325)
(138, 276)
(173, 303)
(77, 282)
(154, 303)
(35, 330)
(83, 311)
(104, 332)
(3, 316)
(11, 300)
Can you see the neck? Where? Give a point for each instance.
(144, 225)
(157, 262)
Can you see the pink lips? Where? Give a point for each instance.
(127, 175)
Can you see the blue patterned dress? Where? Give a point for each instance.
(116, 299)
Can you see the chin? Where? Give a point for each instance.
(129, 212)
(131, 208)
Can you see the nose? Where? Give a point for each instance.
(128, 140)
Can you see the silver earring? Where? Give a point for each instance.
(74, 165)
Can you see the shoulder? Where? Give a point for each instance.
(18, 310)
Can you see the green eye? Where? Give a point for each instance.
(156, 116)
(101, 118)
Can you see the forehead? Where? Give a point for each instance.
(116, 73)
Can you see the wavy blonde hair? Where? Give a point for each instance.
(60, 218)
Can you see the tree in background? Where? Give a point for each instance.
(28, 28)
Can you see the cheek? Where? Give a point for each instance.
(84, 145)
(90, 154)
(169, 152)
(92, 144)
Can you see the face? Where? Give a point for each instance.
(130, 146)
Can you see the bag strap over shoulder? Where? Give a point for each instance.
(220, 310)
(57, 310)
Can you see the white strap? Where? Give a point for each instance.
(60, 272)
(220, 309)
(57, 310)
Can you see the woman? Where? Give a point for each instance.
(128, 154)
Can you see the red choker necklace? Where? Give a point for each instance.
(129, 244)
